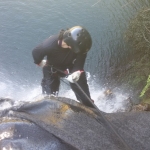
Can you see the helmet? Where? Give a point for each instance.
(78, 38)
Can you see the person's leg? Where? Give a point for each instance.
(50, 82)
(79, 94)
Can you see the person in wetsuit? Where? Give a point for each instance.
(66, 53)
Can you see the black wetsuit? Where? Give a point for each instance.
(58, 60)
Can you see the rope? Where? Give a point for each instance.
(105, 119)
(109, 125)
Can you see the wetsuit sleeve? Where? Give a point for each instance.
(79, 62)
(42, 50)
(38, 54)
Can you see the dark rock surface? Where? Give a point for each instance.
(61, 123)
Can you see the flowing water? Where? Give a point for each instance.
(24, 24)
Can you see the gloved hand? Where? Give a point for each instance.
(74, 77)
(42, 63)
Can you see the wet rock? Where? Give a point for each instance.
(109, 94)
(141, 107)
(61, 123)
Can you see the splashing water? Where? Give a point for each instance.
(27, 93)
(17, 92)
(117, 102)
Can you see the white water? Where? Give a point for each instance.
(17, 92)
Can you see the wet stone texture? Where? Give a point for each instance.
(61, 123)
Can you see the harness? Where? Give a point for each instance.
(66, 72)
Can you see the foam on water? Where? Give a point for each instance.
(117, 103)
(18, 92)
(28, 93)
